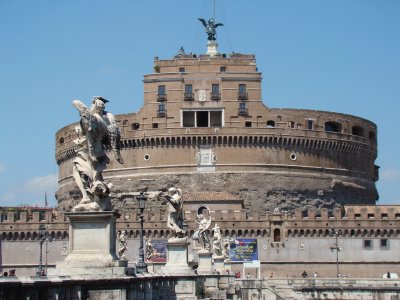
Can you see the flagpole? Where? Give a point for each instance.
(214, 10)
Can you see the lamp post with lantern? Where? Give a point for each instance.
(336, 247)
(43, 237)
(141, 266)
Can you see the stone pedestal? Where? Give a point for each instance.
(185, 289)
(212, 48)
(205, 263)
(177, 265)
(228, 265)
(219, 265)
(177, 258)
(92, 240)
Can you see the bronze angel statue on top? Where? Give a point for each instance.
(210, 27)
(97, 132)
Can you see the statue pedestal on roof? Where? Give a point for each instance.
(91, 246)
(212, 48)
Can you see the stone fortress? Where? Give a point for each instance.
(292, 180)
(203, 126)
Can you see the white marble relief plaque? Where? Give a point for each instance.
(202, 95)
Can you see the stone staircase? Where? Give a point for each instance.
(283, 290)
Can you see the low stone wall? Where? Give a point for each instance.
(122, 288)
(327, 288)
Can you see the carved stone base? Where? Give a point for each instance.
(177, 258)
(212, 48)
(205, 263)
(185, 289)
(219, 265)
(91, 245)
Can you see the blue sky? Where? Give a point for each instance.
(334, 55)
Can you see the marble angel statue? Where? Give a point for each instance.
(97, 132)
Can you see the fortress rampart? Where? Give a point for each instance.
(356, 221)
(368, 237)
(203, 126)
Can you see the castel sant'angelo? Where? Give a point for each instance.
(287, 182)
(204, 127)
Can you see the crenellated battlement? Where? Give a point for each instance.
(351, 221)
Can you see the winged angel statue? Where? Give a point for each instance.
(210, 27)
(97, 132)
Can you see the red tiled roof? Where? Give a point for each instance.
(210, 196)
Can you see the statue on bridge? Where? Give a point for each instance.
(97, 132)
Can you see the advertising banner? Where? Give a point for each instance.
(156, 251)
(243, 250)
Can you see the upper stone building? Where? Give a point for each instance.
(204, 127)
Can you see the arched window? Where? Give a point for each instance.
(372, 136)
(357, 130)
(270, 124)
(333, 127)
(277, 235)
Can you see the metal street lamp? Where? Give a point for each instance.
(141, 266)
(43, 236)
(337, 248)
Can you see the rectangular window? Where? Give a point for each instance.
(155, 125)
(247, 124)
(188, 89)
(188, 119)
(384, 244)
(161, 89)
(242, 92)
(188, 92)
(182, 69)
(222, 69)
(161, 110)
(161, 95)
(202, 118)
(242, 88)
(242, 108)
(215, 95)
(310, 124)
(215, 118)
(367, 244)
(215, 89)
